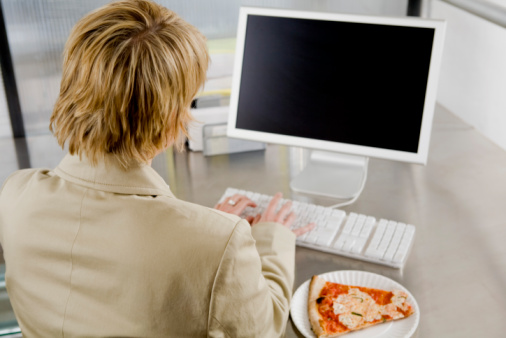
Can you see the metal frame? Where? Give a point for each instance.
(12, 97)
(9, 79)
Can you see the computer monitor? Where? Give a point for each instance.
(359, 86)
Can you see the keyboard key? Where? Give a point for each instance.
(359, 245)
(366, 229)
(358, 225)
(389, 254)
(387, 236)
(350, 242)
(325, 236)
(340, 241)
(406, 239)
(350, 222)
(377, 237)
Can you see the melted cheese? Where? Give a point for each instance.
(356, 307)
(399, 299)
(349, 320)
(340, 308)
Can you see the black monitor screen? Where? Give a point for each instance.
(355, 83)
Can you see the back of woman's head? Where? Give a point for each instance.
(130, 72)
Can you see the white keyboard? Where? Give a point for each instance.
(354, 235)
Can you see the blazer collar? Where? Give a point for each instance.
(109, 176)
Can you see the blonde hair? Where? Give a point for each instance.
(130, 72)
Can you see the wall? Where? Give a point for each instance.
(473, 73)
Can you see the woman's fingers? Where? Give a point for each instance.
(269, 214)
(243, 203)
(283, 212)
(256, 219)
(302, 230)
(289, 220)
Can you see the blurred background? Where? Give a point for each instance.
(37, 31)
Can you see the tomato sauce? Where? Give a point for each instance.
(330, 321)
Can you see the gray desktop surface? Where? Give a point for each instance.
(457, 268)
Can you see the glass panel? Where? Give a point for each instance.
(8, 323)
(37, 30)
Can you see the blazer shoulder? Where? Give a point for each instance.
(21, 177)
(204, 219)
(214, 216)
(223, 216)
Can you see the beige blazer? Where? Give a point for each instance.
(103, 252)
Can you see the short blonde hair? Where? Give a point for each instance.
(130, 72)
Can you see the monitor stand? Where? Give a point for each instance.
(332, 174)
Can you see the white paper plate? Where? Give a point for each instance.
(394, 329)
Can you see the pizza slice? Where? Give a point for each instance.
(335, 309)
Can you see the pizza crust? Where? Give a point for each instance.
(315, 287)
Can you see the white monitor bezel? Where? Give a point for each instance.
(430, 97)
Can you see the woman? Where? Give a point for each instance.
(99, 246)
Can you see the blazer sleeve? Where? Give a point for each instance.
(253, 286)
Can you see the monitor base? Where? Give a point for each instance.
(332, 174)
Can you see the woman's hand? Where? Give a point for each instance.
(236, 205)
(284, 216)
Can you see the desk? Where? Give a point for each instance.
(457, 268)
